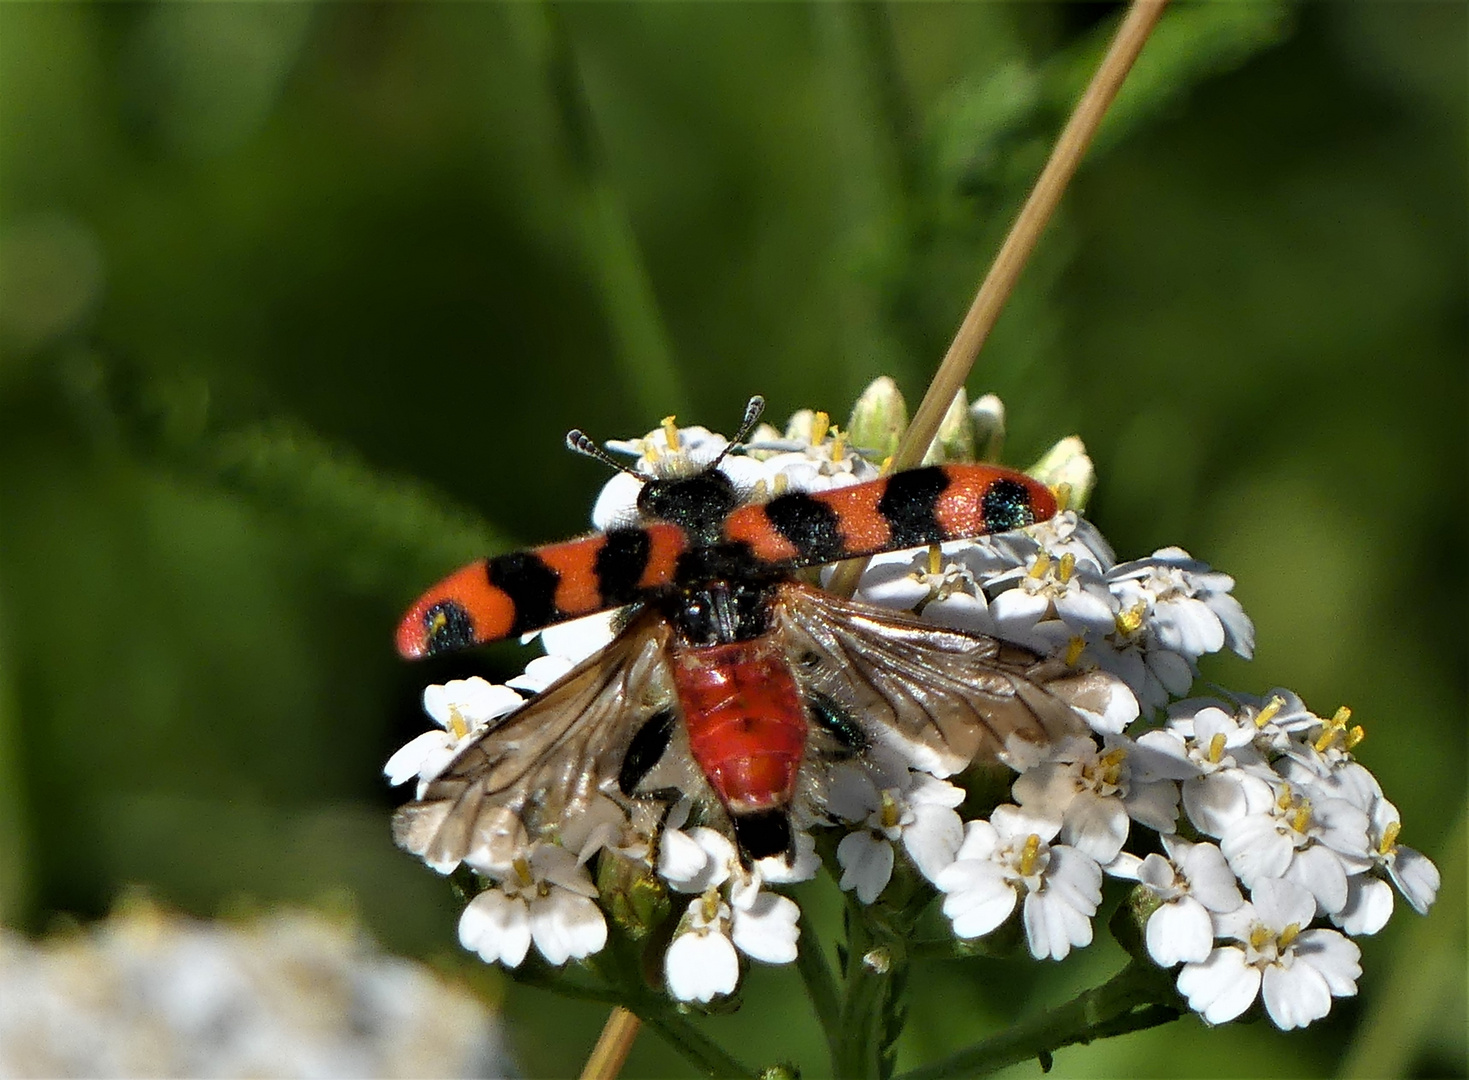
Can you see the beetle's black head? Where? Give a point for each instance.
(699, 503)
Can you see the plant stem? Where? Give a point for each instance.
(876, 967)
(1138, 997)
(698, 1048)
(614, 1044)
(821, 986)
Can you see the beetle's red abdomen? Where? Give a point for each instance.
(745, 719)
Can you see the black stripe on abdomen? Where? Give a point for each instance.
(531, 584)
(620, 564)
(809, 524)
(1006, 505)
(908, 504)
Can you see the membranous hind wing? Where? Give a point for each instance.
(944, 697)
(552, 767)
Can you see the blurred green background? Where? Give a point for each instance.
(296, 303)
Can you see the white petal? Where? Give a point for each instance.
(1279, 904)
(1180, 931)
(1188, 626)
(766, 929)
(580, 638)
(1172, 670)
(1047, 789)
(1210, 880)
(1017, 610)
(1096, 826)
(409, 759)
(961, 611)
(1215, 802)
(1014, 821)
(1221, 987)
(617, 503)
(566, 926)
(980, 841)
(1161, 755)
(1343, 827)
(804, 867)
(1295, 996)
(1369, 906)
(851, 794)
(1417, 877)
(683, 863)
(540, 673)
(1255, 849)
(1052, 925)
(1320, 870)
(867, 864)
(1075, 878)
(497, 927)
(1338, 959)
(981, 898)
(1154, 805)
(700, 967)
(933, 839)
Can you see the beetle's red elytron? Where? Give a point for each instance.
(726, 658)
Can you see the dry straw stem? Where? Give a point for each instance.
(612, 1046)
(622, 1026)
(1004, 272)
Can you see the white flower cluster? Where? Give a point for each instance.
(1299, 824)
(148, 992)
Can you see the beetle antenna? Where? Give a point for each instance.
(579, 442)
(753, 410)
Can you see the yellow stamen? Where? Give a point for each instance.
(820, 425)
(890, 814)
(1331, 728)
(1259, 935)
(1067, 568)
(838, 444)
(935, 560)
(1286, 799)
(1028, 855)
(1340, 717)
(457, 724)
(886, 466)
(1042, 564)
(710, 903)
(1063, 493)
(1355, 735)
(782, 483)
(1289, 934)
(522, 871)
(670, 432)
(1216, 748)
(1131, 620)
(1389, 841)
(1111, 763)
(1301, 820)
(1267, 714)
(1074, 648)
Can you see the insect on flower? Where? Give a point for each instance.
(732, 681)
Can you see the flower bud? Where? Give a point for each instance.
(1068, 470)
(635, 897)
(987, 418)
(955, 440)
(1129, 922)
(878, 419)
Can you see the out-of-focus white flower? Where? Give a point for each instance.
(1096, 792)
(1298, 971)
(545, 896)
(149, 992)
(918, 811)
(1011, 856)
(1192, 882)
(461, 707)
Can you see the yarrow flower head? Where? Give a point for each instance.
(581, 807)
